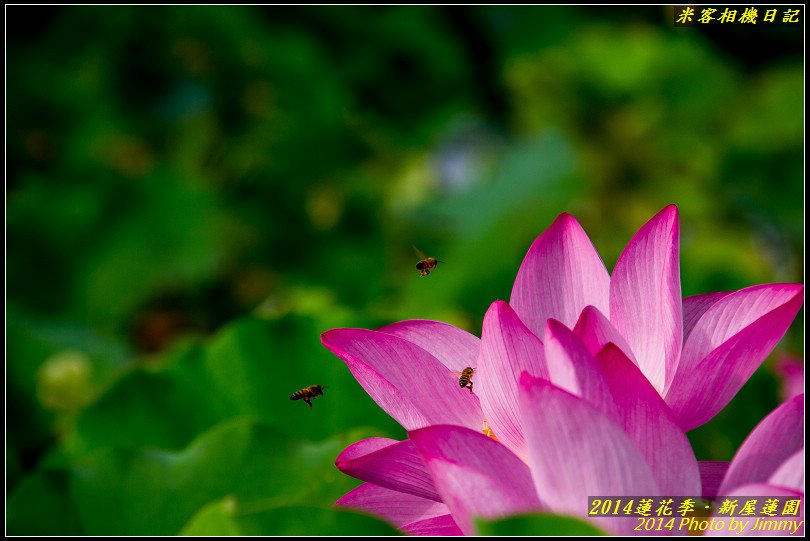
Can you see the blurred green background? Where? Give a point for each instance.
(194, 194)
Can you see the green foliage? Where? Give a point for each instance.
(195, 194)
(224, 517)
(206, 422)
(41, 505)
(251, 368)
(146, 491)
(537, 524)
(151, 492)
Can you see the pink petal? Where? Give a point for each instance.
(363, 448)
(453, 347)
(645, 297)
(711, 475)
(650, 424)
(595, 331)
(745, 525)
(732, 312)
(390, 464)
(791, 473)
(560, 275)
(507, 349)
(403, 510)
(694, 307)
(443, 525)
(575, 451)
(726, 346)
(409, 383)
(475, 475)
(772, 441)
(574, 369)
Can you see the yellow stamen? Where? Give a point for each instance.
(488, 431)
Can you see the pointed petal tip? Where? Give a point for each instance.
(590, 310)
(361, 448)
(669, 213)
(564, 222)
(610, 349)
(798, 288)
(565, 219)
(500, 313)
(328, 337)
(377, 361)
(555, 328)
(325, 336)
(342, 459)
(591, 315)
(333, 338)
(497, 307)
(560, 274)
(645, 296)
(337, 339)
(729, 338)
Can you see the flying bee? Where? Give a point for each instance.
(465, 378)
(425, 263)
(308, 393)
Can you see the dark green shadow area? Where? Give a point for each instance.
(153, 492)
(226, 518)
(537, 524)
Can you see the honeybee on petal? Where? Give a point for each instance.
(465, 378)
(425, 264)
(308, 393)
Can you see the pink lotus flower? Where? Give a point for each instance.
(588, 381)
(770, 462)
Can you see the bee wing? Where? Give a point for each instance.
(419, 253)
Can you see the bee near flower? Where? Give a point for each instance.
(425, 264)
(579, 367)
(308, 393)
(465, 378)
